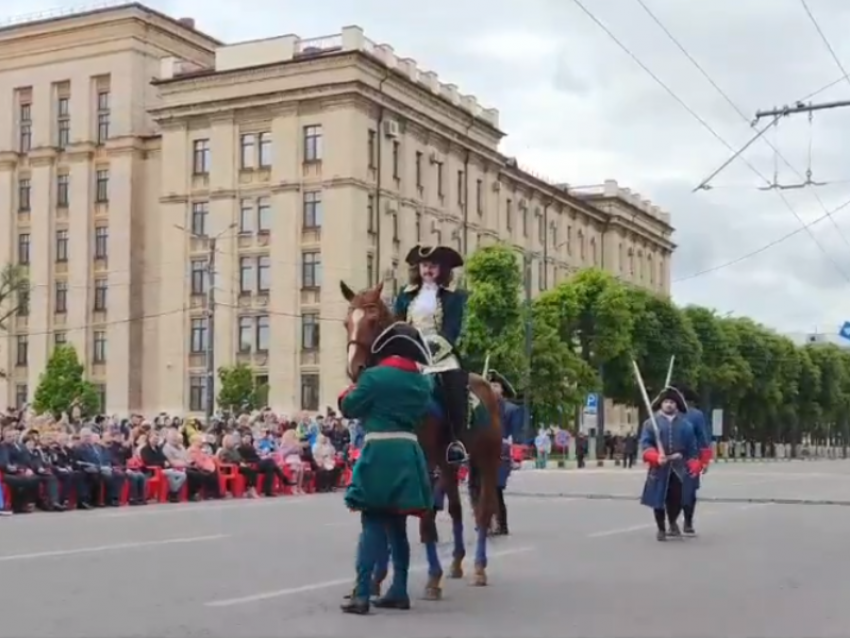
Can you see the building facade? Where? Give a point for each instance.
(304, 162)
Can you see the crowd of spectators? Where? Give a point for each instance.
(56, 464)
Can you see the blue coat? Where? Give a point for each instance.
(453, 303)
(511, 417)
(701, 431)
(676, 436)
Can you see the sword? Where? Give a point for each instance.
(648, 406)
(670, 372)
(486, 366)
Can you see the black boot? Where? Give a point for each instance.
(357, 606)
(456, 400)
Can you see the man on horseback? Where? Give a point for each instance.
(390, 480)
(437, 312)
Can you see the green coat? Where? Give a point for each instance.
(391, 475)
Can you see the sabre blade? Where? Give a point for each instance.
(670, 372)
(648, 405)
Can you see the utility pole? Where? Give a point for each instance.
(529, 336)
(799, 107)
(209, 353)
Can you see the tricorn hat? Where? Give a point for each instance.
(402, 340)
(671, 394)
(493, 376)
(446, 257)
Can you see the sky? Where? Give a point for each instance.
(578, 108)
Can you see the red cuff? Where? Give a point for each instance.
(694, 467)
(344, 393)
(650, 456)
(705, 456)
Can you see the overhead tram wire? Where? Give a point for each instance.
(743, 115)
(709, 128)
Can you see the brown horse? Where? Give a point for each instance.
(367, 317)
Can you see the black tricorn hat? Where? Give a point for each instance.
(446, 257)
(402, 340)
(671, 394)
(493, 376)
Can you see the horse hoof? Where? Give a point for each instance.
(480, 578)
(433, 593)
(456, 570)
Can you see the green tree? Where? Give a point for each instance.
(63, 383)
(14, 292)
(238, 389)
(494, 313)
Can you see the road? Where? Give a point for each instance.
(573, 566)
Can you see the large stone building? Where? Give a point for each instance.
(131, 140)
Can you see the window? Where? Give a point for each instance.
(309, 391)
(197, 393)
(62, 190)
(440, 186)
(541, 229)
(200, 212)
(371, 149)
(198, 276)
(25, 128)
(24, 194)
(313, 143)
(61, 245)
(60, 338)
(23, 305)
(63, 122)
(246, 275)
(371, 217)
(101, 242)
(312, 209)
(524, 221)
(509, 214)
(201, 157)
(479, 196)
(396, 159)
(419, 170)
(395, 278)
(102, 116)
(262, 333)
(99, 343)
(541, 275)
(264, 215)
(418, 228)
(395, 226)
(101, 286)
(24, 249)
(60, 297)
(246, 216)
(21, 395)
(264, 273)
(311, 270)
(199, 336)
(246, 151)
(370, 269)
(265, 150)
(100, 391)
(461, 187)
(22, 350)
(101, 191)
(246, 334)
(309, 331)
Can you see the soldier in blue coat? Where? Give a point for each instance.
(703, 436)
(673, 458)
(437, 311)
(510, 415)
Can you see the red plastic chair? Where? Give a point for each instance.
(230, 480)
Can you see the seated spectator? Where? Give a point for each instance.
(203, 469)
(121, 454)
(290, 455)
(340, 436)
(60, 458)
(98, 477)
(178, 456)
(152, 456)
(23, 484)
(35, 462)
(265, 465)
(327, 472)
(266, 445)
(229, 453)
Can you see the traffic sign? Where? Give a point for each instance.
(591, 404)
(562, 438)
(844, 331)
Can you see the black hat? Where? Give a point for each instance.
(446, 257)
(493, 376)
(671, 394)
(690, 395)
(402, 340)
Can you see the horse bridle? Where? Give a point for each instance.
(357, 342)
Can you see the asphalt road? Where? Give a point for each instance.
(572, 567)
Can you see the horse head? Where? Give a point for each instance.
(367, 317)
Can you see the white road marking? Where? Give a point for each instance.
(115, 547)
(302, 589)
(702, 514)
(195, 508)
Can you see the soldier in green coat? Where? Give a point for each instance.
(390, 480)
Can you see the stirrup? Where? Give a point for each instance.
(456, 453)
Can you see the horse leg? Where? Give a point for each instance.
(456, 513)
(428, 536)
(483, 516)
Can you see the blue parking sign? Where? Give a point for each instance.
(592, 403)
(845, 330)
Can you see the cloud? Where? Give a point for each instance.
(580, 110)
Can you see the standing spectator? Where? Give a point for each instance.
(23, 485)
(152, 456)
(630, 446)
(543, 443)
(203, 469)
(327, 472)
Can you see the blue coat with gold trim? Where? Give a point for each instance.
(453, 306)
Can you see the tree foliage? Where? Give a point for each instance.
(588, 329)
(63, 384)
(239, 389)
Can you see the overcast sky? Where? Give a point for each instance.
(579, 109)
